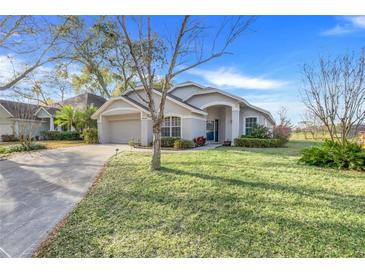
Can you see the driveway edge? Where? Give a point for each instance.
(52, 234)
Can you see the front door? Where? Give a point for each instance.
(212, 130)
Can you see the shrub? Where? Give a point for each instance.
(168, 141)
(20, 148)
(259, 132)
(183, 144)
(199, 141)
(254, 142)
(131, 143)
(9, 138)
(90, 136)
(334, 155)
(282, 132)
(61, 135)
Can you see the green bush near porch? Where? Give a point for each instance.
(90, 135)
(168, 141)
(183, 144)
(255, 142)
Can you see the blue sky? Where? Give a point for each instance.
(266, 64)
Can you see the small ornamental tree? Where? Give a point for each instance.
(155, 58)
(334, 92)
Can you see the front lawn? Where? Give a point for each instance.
(218, 203)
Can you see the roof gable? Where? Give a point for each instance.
(19, 110)
(169, 97)
(84, 100)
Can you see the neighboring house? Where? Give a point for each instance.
(191, 110)
(82, 101)
(16, 115)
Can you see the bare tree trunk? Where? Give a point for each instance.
(156, 147)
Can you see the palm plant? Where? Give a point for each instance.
(67, 116)
(87, 121)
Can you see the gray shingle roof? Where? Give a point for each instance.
(20, 110)
(82, 101)
(135, 102)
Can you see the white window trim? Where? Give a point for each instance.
(181, 123)
(244, 122)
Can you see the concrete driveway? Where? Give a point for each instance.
(38, 189)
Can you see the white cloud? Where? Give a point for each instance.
(349, 24)
(273, 103)
(229, 78)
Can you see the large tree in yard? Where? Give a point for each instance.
(334, 92)
(103, 56)
(160, 59)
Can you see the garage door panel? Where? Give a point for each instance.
(124, 130)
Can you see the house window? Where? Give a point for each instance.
(171, 127)
(250, 122)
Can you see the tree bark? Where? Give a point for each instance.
(156, 147)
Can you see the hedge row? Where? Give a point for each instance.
(61, 135)
(9, 138)
(176, 143)
(253, 142)
(20, 148)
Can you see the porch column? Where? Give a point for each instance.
(103, 129)
(144, 129)
(51, 123)
(235, 122)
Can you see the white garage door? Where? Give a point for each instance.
(5, 128)
(124, 130)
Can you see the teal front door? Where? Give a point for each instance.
(212, 130)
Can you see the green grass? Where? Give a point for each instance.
(218, 203)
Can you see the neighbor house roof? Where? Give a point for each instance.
(84, 100)
(20, 110)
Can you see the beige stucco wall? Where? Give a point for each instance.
(192, 127)
(185, 92)
(246, 112)
(170, 106)
(5, 123)
(215, 98)
(120, 104)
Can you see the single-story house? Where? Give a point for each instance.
(191, 110)
(16, 117)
